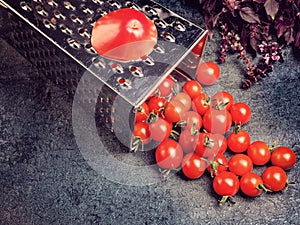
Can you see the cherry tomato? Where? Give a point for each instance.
(174, 111)
(165, 88)
(201, 103)
(142, 112)
(205, 146)
(160, 129)
(193, 166)
(240, 113)
(238, 142)
(218, 165)
(124, 35)
(187, 141)
(141, 130)
(191, 120)
(207, 73)
(259, 153)
(222, 142)
(168, 154)
(193, 88)
(251, 184)
(222, 99)
(274, 178)
(184, 98)
(283, 157)
(226, 184)
(240, 164)
(217, 121)
(156, 104)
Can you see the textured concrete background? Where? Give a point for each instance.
(45, 180)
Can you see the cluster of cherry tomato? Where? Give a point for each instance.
(194, 130)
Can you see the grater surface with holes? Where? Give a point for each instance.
(55, 36)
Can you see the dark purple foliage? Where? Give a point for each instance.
(252, 28)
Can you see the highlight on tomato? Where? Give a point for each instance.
(124, 35)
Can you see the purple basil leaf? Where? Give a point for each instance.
(254, 44)
(249, 15)
(260, 1)
(271, 7)
(297, 40)
(288, 36)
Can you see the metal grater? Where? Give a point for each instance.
(55, 36)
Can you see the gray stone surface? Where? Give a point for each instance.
(44, 179)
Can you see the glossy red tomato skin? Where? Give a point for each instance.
(226, 184)
(222, 98)
(222, 142)
(274, 178)
(193, 166)
(208, 73)
(184, 98)
(192, 119)
(124, 35)
(201, 103)
(240, 113)
(168, 154)
(249, 184)
(240, 164)
(165, 88)
(259, 153)
(238, 142)
(141, 130)
(217, 121)
(142, 112)
(187, 141)
(193, 88)
(174, 111)
(160, 129)
(218, 165)
(205, 146)
(156, 104)
(283, 157)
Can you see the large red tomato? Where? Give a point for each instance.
(124, 35)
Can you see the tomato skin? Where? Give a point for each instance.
(156, 104)
(283, 157)
(222, 98)
(274, 178)
(207, 73)
(240, 112)
(205, 147)
(184, 98)
(142, 112)
(141, 130)
(259, 153)
(201, 103)
(240, 164)
(193, 166)
(165, 88)
(188, 141)
(222, 142)
(193, 88)
(174, 111)
(217, 121)
(238, 142)
(226, 184)
(124, 35)
(250, 183)
(192, 119)
(160, 129)
(218, 165)
(168, 154)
